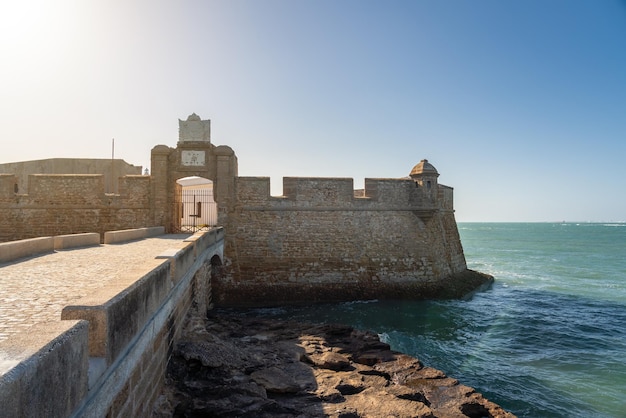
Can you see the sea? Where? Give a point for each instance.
(548, 339)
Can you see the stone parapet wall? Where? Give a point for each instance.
(14, 250)
(446, 197)
(335, 193)
(113, 237)
(43, 373)
(59, 204)
(131, 390)
(320, 243)
(108, 355)
(119, 310)
(8, 185)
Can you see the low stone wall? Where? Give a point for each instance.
(113, 346)
(143, 322)
(32, 366)
(64, 242)
(181, 261)
(117, 312)
(116, 237)
(14, 250)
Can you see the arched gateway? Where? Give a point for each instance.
(197, 210)
(193, 157)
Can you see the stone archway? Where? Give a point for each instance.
(216, 267)
(194, 206)
(194, 155)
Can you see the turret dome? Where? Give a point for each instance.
(424, 168)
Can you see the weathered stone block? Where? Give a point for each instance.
(118, 311)
(62, 242)
(13, 250)
(33, 364)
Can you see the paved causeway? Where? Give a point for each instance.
(36, 289)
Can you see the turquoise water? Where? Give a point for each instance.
(549, 338)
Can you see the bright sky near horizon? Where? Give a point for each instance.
(521, 105)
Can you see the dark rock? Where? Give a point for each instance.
(474, 410)
(244, 366)
(211, 354)
(349, 389)
(275, 380)
(405, 392)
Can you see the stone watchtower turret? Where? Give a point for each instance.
(425, 175)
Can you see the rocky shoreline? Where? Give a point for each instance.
(238, 365)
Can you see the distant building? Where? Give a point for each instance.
(110, 169)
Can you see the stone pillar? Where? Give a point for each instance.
(224, 187)
(160, 183)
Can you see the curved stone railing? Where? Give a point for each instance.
(109, 354)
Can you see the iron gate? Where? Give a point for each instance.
(194, 210)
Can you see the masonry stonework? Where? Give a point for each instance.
(321, 241)
(60, 204)
(111, 169)
(194, 155)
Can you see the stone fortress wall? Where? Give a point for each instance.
(58, 204)
(324, 241)
(321, 241)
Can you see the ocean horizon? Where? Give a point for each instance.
(546, 340)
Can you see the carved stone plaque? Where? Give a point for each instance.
(192, 158)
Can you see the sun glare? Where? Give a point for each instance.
(32, 28)
(22, 21)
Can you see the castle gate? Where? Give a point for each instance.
(194, 207)
(191, 181)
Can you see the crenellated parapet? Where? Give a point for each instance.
(323, 193)
(324, 241)
(446, 197)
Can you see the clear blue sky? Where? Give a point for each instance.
(521, 105)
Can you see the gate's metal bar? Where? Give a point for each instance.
(194, 210)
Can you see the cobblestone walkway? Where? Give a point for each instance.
(36, 289)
